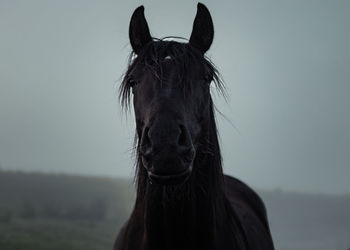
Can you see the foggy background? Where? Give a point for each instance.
(66, 158)
(285, 64)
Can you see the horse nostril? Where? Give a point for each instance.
(183, 136)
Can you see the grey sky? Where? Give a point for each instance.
(286, 65)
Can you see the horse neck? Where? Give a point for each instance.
(187, 216)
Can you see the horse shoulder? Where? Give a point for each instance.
(250, 211)
(236, 189)
(118, 244)
(131, 234)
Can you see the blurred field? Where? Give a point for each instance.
(56, 212)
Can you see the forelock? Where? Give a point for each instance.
(182, 55)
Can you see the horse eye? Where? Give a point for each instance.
(132, 82)
(209, 78)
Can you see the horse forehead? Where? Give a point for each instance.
(169, 88)
(169, 85)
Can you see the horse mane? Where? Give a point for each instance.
(183, 55)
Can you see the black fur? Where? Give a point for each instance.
(207, 211)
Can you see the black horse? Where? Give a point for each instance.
(184, 201)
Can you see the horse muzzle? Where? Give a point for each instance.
(169, 168)
(173, 179)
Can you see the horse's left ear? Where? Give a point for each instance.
(139, 34)
(203, 29)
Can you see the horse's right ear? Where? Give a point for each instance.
(139, 34)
